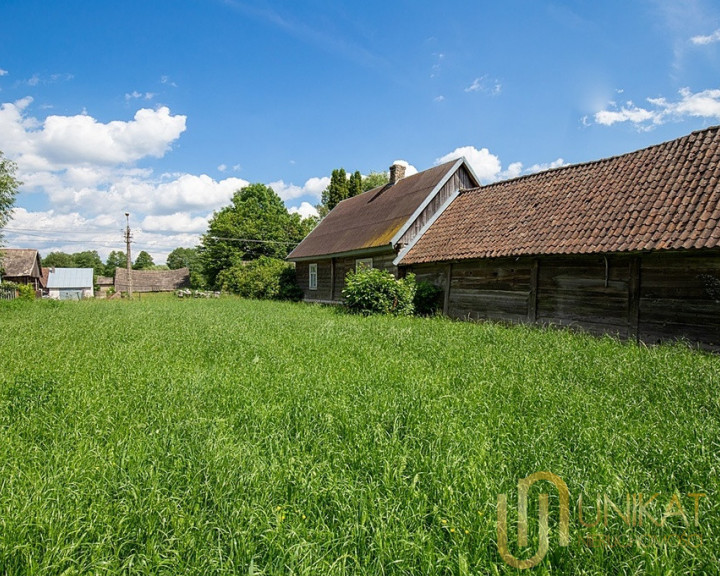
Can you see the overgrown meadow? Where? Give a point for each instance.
(242, 437)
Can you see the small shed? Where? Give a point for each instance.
(70, 283)
(22, 266)
(104, 284)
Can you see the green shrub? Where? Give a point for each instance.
(24, 291)
(374, 291)
(428, 298)
(254, 279)
(289, 287)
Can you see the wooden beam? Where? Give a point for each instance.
(533, 295)
(332, 279)
(634, 298)
(448, 280)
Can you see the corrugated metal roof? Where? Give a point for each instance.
(371, 219)
(666, 197)
(70, 278)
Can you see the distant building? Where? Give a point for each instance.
(22, 266)
(152, 280)
(70, 283)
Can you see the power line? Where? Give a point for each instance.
(58, 238)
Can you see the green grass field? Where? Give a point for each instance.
(168, 436)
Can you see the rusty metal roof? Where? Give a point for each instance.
(370, 220)
(666, 197)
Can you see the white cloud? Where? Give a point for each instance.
(305, 210)
(3, 72)
(312, 187)
(513, 171)
(705, 104)
(546, 166)
(80, 139)
(440, 98)
(409, 168)
(222, 167)
(135, 95)
(486, 85)
(486, 165)
(178, 222)
(627, 113)
(703, 40)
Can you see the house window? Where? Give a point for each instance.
(363, 264)
(312, 284)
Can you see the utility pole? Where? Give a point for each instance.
(128, 237)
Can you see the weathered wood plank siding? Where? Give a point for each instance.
(653, 297)
(582, 291)
(680, 297)
(492, 289)
(460, 179)
(302, 271)
(327, 291)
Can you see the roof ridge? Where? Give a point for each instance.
(596, 161)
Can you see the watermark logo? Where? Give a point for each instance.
(640, 512)
(523, 489)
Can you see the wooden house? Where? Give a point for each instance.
(628, 245)
(22, 266)
(370, 229)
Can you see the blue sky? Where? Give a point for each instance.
(164, 108)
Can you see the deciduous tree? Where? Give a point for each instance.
(255, 224)
(116, 259)
(143, 261)
(8, 190)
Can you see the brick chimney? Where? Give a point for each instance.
(397, 173)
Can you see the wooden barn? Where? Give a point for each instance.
(369, 229)
(152, 280)
(628, 245)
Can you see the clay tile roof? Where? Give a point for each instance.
(665, 197)
(371, 219)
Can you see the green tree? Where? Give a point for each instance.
(89, 259)
(182, 258)
(355, 184)
(143, 261)
(58, 260)
(341, 187)
(337, 190)
(255, 224)
(8, 190)
(116, 259)
(374, 179)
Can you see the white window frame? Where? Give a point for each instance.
(312, 276)
(361, 263)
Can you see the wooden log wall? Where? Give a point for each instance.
(650, 297)
(331, 275)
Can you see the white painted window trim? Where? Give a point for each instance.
(363, 263)
(312, 276)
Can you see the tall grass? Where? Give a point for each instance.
(231, 436)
